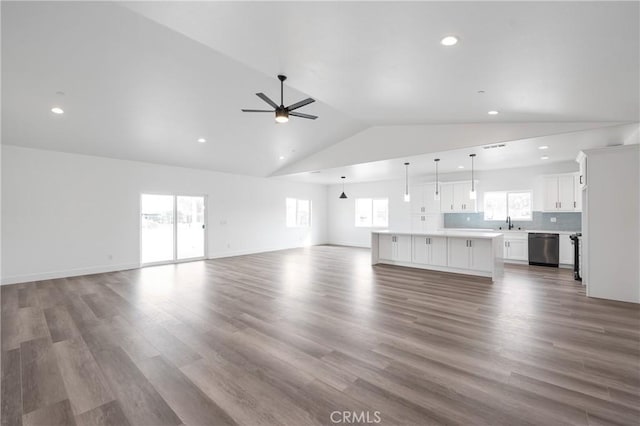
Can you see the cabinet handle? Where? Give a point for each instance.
(574, 205)
(451, 206)
(580, 179)
(470, 243)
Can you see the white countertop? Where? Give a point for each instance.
(447, 233)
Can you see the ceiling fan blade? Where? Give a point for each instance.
(301, 115)
(300, 104)
(267, 100)
(257, 110)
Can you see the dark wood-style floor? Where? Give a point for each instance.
(289, 337)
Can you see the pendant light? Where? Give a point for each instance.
(436, 196)
(472, 193)
(407, 197)
(343, 195)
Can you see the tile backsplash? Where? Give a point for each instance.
(566, 221)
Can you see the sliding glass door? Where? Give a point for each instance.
(171, 228)
(190, 228)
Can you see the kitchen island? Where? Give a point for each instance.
(462, 252)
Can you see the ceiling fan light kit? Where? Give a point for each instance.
(282, 112)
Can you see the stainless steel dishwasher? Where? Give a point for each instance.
(544, 249)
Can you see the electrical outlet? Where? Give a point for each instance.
(553, 219)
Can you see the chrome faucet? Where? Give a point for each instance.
(509, 222)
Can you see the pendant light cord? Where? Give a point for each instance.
(473, 185)
(437, 160)
(406, 187)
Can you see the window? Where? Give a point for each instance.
(499, 205)
(298, 213)
(372, 212)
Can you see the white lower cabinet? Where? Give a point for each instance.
(516, 247)
(430, 250)
(470, 253)
(474, 254)
(566, 250)
(395, 247)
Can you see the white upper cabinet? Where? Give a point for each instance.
(446, 198)
(560, 193)
(455, 198)
(423, 199)
(566, 193)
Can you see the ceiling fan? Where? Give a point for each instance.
(283, 112)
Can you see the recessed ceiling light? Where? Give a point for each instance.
(282, 157)
(543, 147)
(461, 167)
(57, 110)
(202, 140)
(493, 112)
(449, 41)
(544, 157)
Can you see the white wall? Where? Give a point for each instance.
(341, 220)
(342, 213)
(65, 214)
(611, 223)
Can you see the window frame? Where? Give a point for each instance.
(371, 225)
(296, 215)
(506, 199)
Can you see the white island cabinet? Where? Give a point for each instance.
(470, 253)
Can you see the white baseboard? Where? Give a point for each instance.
(51, 275)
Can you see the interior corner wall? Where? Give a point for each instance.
(69, 214)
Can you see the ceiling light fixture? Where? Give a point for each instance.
(544, 157)
(543, 147)
(472, 193)
(282, 115)
(282, 157)
(202, 140)
(57, 110)
(493, 112)
(449, 41)
(407, 197)
(461, 167)
(436, 196)
(343, 196)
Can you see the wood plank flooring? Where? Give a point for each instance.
(291, 337)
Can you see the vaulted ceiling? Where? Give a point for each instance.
(145, 80)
